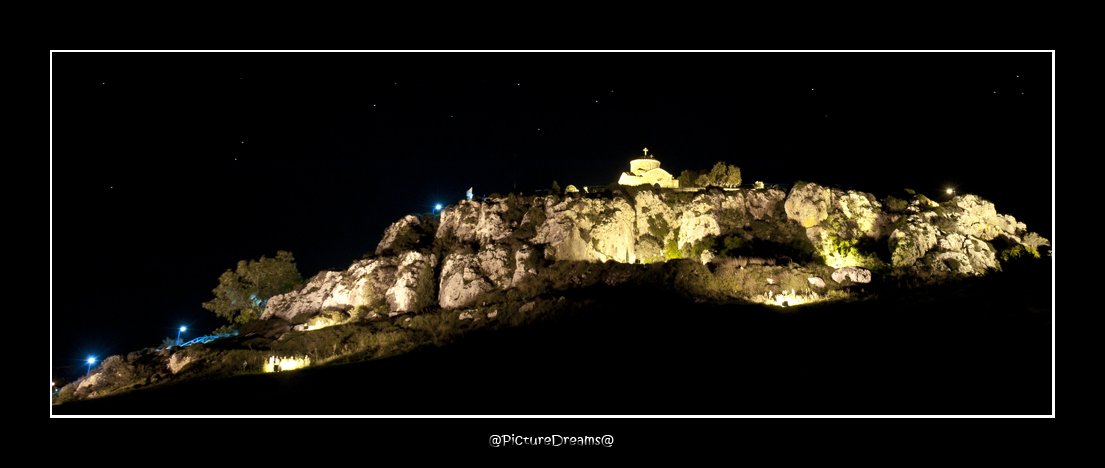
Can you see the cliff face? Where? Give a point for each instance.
(478, 246)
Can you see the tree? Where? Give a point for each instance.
(688, 177)
(555, 190)
(722, 175)
(241, 295)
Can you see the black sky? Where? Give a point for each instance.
(168, 168)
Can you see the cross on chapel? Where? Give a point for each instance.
(646, 152)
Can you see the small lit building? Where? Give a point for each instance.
(647, 171)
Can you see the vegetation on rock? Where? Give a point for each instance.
(241, 294)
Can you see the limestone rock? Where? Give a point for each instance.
(655, 218)
(178, 361)
(962, 254)
(461, 281)
(406, 234)
(765, 204)
(527, 306)
(307, 300)
(615, 235)
(808, 203)
(413, 288)
(817, 281)
(360, 284)
(459, 221)
(494, 263)
(364, 282)
(90, 381)
(522, 257)
(980, 219)
(912, 241)
(856, 274)
(861, 208)
(697, 222)
(567, 228)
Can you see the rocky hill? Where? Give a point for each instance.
(496, 244)
(663, 283)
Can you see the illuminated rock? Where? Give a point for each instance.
(494, 261)
(461, 281)
(817, 281)
(89, 381)
(808, 203)
(694, 228)
(912, 241)
(655, 217)
(406, 234)
(307, 300)
(363, 282)
(413, 288)
(765, 204)
(855, 274)
(615, 235)
(860, 208)
(523, 257)
(977, 217)
(588, 230)
(178, 361)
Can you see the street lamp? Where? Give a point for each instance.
(436, 208)
(951, 192)
(178, 335)
(90, 361)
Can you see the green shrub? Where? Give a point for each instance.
(672, 250)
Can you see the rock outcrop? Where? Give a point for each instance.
(178, 361)
(499, 243)
(414, 280)
(854, 274)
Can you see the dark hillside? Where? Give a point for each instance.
(975, 347)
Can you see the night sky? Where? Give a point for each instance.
(168, 168)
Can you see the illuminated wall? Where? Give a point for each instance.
(647, 171)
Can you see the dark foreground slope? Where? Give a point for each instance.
(980, 347)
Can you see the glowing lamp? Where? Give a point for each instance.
(90, 361)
